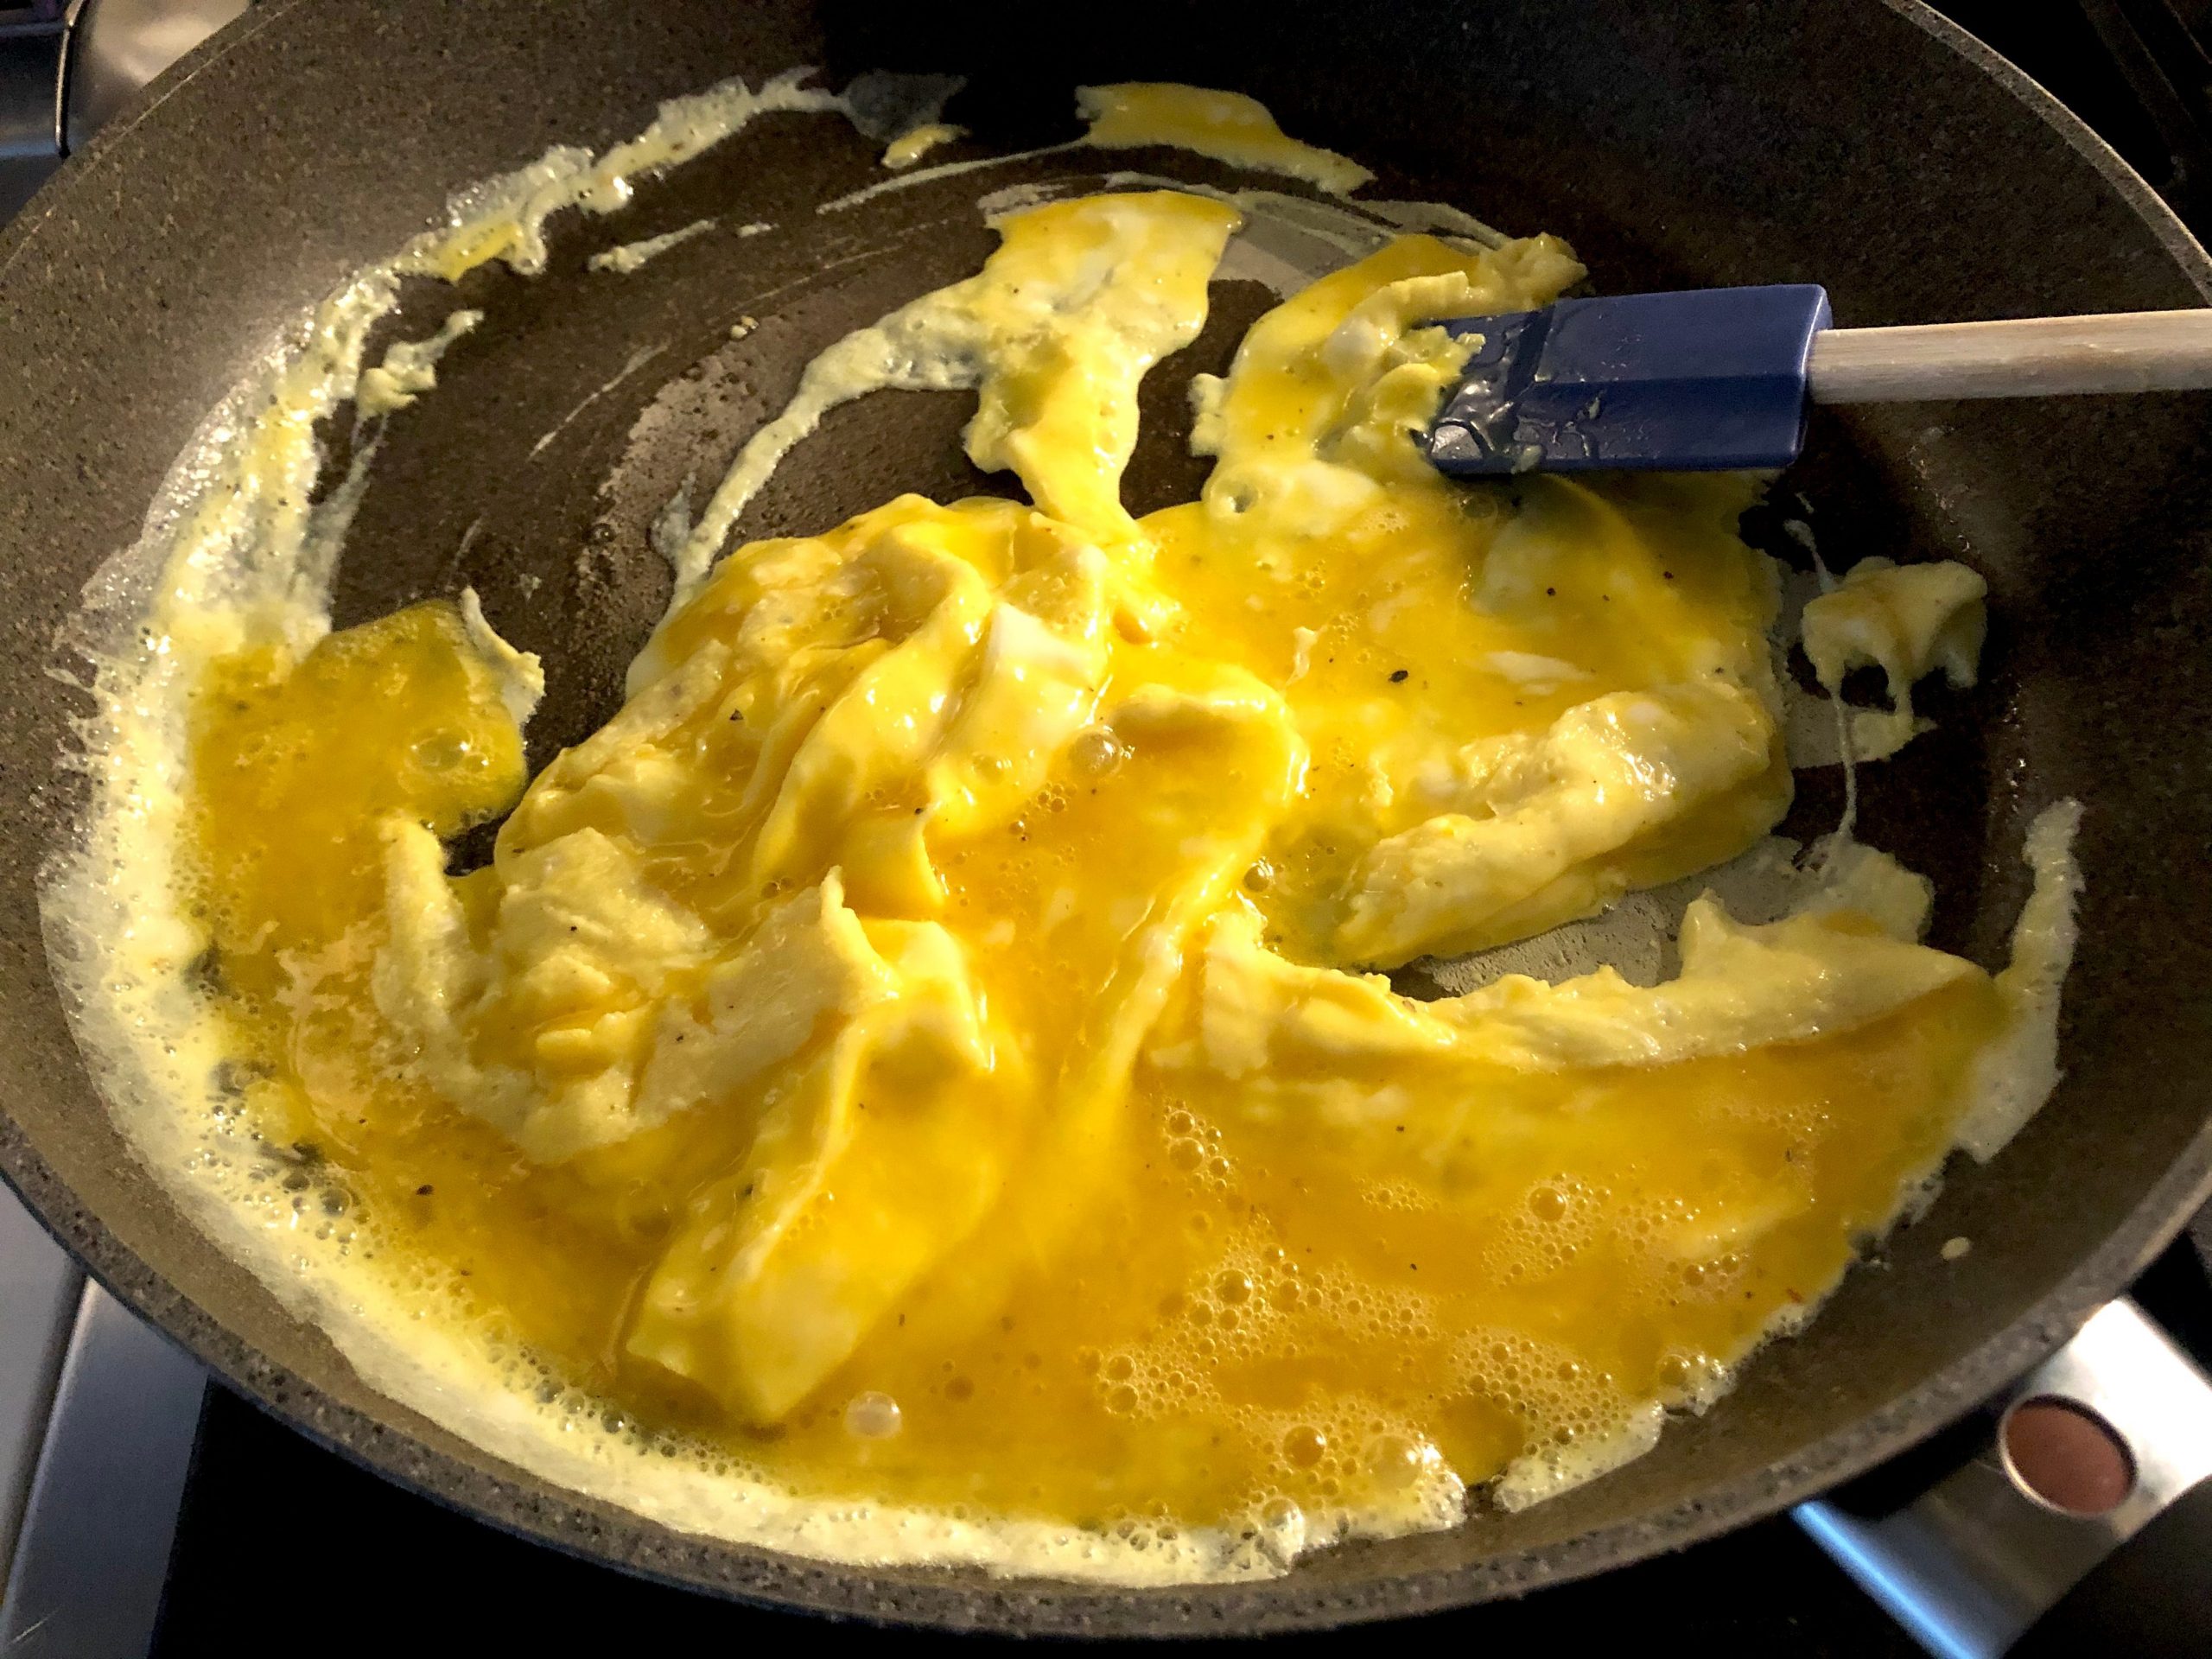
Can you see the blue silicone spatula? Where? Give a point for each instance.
(1719, 378)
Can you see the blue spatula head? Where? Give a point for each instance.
(1709, 380)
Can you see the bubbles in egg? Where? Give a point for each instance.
(873, 1415)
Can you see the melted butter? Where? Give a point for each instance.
(939, 985)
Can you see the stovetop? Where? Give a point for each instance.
(173, 1516)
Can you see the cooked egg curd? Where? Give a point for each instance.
(929, 1049)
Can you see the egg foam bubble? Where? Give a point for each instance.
(1234, 1047)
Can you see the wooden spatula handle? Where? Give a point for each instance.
(2033, 357)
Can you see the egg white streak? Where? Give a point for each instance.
(634, 256)
(2017, 1072)
(521, 676)
(233, 552)
(920, 175)
(636, 360)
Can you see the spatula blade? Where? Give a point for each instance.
(1706, 380)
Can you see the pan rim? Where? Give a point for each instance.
(501, 1495)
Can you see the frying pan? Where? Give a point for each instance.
(1867, 146)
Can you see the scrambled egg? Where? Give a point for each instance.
(909, 147)
(929, 1043)
(1909, 621)
(1228, 126)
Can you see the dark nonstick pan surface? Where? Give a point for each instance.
(1867, 146)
